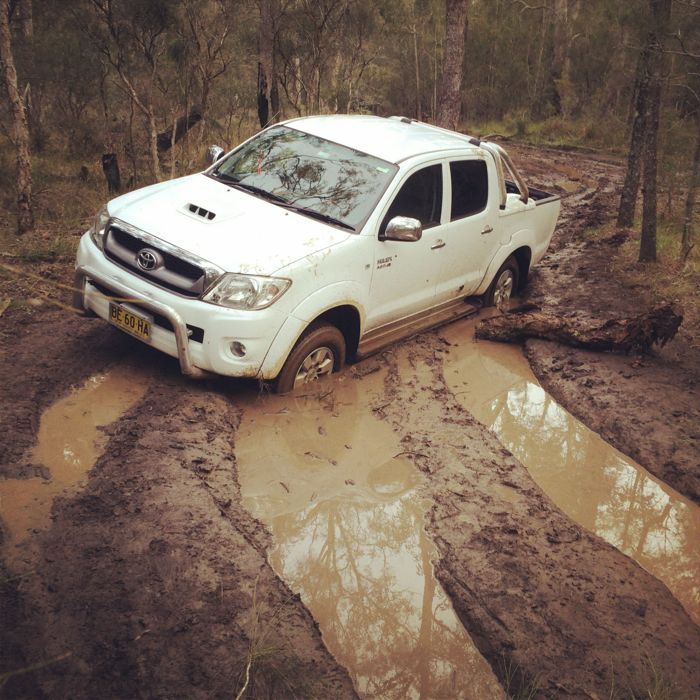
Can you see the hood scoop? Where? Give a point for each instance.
(200, 212)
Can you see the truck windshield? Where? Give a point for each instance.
(309, 174)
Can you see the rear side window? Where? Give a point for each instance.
(420, 197)
(470, 188)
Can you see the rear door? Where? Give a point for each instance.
(471, 226)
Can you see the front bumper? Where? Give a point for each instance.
(208, 349)
(83, 277)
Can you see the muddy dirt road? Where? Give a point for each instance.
(208, 538)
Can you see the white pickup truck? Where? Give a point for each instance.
(317, 240)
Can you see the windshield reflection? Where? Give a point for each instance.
(308, 172)
(591, 481)
(349, 528)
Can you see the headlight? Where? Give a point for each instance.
(247, 291)
(99, 227)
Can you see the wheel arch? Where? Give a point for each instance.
(346, 318)
(523, 257)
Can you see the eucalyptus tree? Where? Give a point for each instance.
(20, 127)
(449, 108)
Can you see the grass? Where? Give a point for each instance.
(653, 685)
(516, 683)
(270, 669)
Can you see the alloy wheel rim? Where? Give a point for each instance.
(317, 364)
(504, 288)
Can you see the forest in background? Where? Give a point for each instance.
(156, 81)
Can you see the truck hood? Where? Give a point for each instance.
(236, 231)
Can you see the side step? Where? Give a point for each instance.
(380, 337)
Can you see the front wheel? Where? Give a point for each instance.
(319, 352)
(504, 285)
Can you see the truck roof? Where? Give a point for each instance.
(392, 139)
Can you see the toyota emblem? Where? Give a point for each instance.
(148, 259)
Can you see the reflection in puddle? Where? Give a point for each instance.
(592, 482)
(328, 479)
(68, 444)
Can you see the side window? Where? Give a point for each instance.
(470, 188)
(420, 197)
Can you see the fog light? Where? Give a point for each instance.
(238, 349)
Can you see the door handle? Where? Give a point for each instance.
(486, 229)
(438, 244)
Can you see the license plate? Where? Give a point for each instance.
(130, 322)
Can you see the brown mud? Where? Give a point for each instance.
(593, 483)
(154, 579)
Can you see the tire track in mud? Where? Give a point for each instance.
(153, 581)
(547, 603)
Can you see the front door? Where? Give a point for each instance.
(405, 273)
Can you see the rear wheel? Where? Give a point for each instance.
(504, 285)
(319, 352)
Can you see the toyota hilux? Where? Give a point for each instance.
(316, 241)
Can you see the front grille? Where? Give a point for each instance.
(171, 272)
(194, 333)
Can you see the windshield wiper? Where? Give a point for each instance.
(281, 201)
(253, 189)
(318, 215)
(259, 191)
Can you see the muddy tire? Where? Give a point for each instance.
(504, 285)
(319, 352)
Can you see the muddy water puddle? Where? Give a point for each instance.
(329, 480)
(68, 443)
(593, 483)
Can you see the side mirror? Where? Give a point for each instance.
(403, 228)
(214, 153)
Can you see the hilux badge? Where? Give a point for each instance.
(147, 259)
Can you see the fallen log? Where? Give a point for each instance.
(183, 124)
(624, 335)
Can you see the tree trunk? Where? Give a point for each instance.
(661, 13)
(25, 215)
(560, 34)
(153, 144)
(450, 102)
(638, 334)
(687, 237)
(416, 64)
(267, 79)
(110, 167)
(263, 102)
(628, 198)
